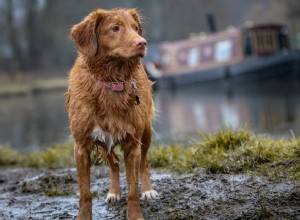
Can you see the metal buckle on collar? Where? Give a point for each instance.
(136, 92)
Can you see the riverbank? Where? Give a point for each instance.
(226, 152)
(233, 174)
(53, 194)
(29, 87)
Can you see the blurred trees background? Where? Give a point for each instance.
(35, 39)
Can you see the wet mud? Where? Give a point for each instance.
(40, 194)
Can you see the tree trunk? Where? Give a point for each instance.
(33, 55)
(12, 36)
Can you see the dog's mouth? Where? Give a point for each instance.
(142, 52)
(136, 53)
(129, 52)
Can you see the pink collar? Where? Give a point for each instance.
(120, 86)
(113, 86)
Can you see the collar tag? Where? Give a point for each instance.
(136, 92)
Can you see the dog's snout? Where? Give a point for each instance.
(141, 43)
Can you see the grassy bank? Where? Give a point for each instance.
(233, 152)
(35, 86)
(228, 152)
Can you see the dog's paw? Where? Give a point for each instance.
(149, 195)
(112, 198)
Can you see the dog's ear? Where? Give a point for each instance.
(138, 18)
(85, 34)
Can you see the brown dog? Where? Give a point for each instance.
(109, 102)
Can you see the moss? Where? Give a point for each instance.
(51, 185)
(57, 186)
(95, 194)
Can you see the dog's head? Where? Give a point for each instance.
(116, 33)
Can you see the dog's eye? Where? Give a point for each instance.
(137, 28)
(116, 29)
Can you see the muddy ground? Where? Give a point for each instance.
(53, 194)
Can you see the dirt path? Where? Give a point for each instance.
(32, 194)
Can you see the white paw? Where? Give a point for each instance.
(149, 195)
(112, 198)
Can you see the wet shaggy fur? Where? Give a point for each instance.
(110, 47)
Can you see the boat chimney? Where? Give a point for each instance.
(211, 22)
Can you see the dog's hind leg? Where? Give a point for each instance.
(83, 163)
(114, 193)
(147, 190)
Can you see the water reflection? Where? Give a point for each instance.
(36, 122)
(263, 107)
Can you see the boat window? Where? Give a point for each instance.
(207, 53)
(259, 41)
(182, 56)
(264, 42)
(193, 57)
(165, 59)
(223, 50)
(271, 45)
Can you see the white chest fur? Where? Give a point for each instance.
(105, 137)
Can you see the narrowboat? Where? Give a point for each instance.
(236, 54)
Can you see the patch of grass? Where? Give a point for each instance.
(49, 85)
(36, 86)
(173, 157)
(228, 152)
(233, 152)
(58, 156)
(226, 139)
(9, 157)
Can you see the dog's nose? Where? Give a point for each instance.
(141, 43)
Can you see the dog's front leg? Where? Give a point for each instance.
(132, 155)
(114, 193)
(147, 190)
(83, 162)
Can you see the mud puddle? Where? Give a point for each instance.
(53, 194)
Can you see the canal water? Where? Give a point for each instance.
(39, 121)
